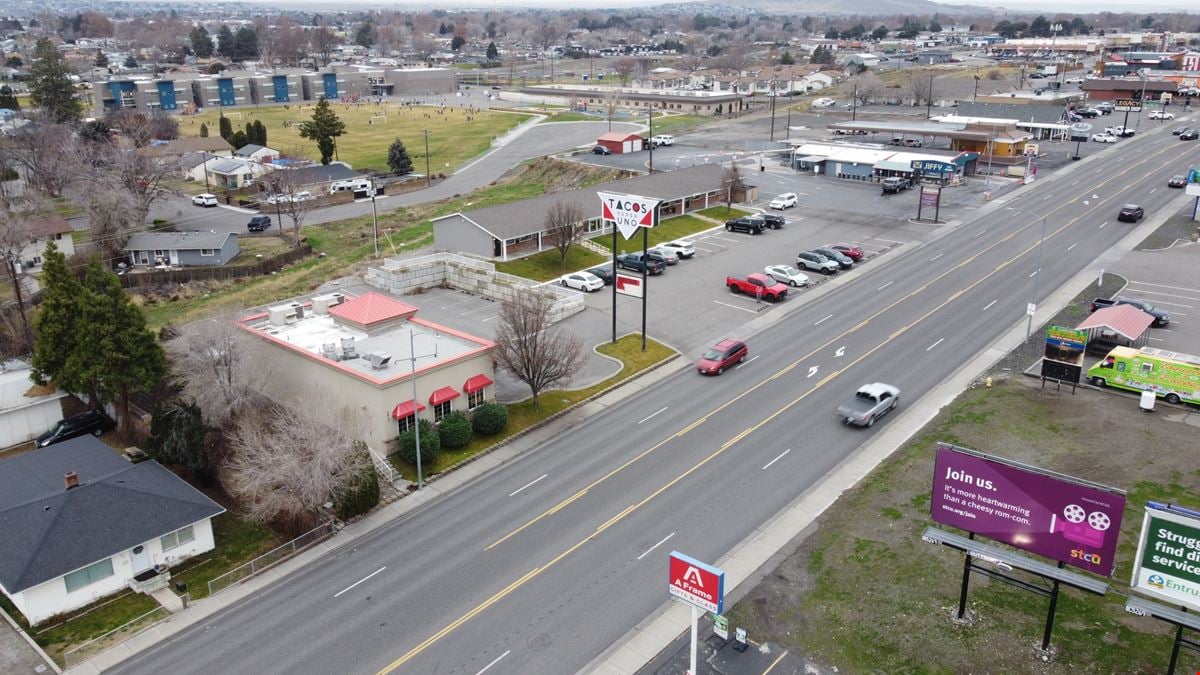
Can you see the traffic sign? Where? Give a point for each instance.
(628, 212)
(696, 583)
(629, 285)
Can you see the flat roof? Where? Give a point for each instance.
(630, 92)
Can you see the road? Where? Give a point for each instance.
(541, 565)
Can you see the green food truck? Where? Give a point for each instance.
(1170, 375)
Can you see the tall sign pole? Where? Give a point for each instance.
(629, 213)
(700, 585)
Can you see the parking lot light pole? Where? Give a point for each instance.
(1037, 272)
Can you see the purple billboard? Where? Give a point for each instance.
(1047, 514)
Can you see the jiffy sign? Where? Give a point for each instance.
(628, 212)
(697, 583)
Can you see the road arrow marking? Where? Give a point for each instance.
(813, 370)
(841, 351)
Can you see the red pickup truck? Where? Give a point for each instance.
(757, 285)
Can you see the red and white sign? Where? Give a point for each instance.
(631, 286)
(697, 583)
(628, 212)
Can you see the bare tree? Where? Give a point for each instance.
(562, 225)
(321, 42)
(268, 42)
(288, 460)
(291, 199)
(612, 100)
(220, 367)
(732, 181)
(143, 175)
(546, 32)
(921, 87)
(46, 152)
(15, 235)
(733, 60)
(111, 220)
(289, 41)
(423, 46)
(530, 347)
(689, 61)
(868, 87)
(624, 68)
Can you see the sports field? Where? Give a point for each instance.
(456, 135)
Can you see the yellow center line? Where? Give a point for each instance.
(775, 663)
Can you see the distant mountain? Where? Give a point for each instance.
(848, 7)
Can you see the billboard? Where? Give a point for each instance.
(628, 212)
(1132, 104)
(930, 197)
(696, 583)
(1193, 183)
(1168, 557)
(1048, 514)
(1062, 359)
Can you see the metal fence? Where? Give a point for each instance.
(270, 558)
(114, 637)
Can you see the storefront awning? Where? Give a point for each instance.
(405, 409)
(442, 395)
(476, 383)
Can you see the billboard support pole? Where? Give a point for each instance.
(614, 285)
(1050, 612)
(695, 623)
(966, 583)
(645, 269)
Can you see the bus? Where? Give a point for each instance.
(1172, 376)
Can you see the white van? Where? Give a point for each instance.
(351, 185)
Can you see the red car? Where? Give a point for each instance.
(724, 354)
(849, 250)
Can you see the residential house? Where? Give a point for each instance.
(214, 146)
(79, 522)
(318, 178)
(42, 231)
(256, 153)
(151, 249)
(233, 174)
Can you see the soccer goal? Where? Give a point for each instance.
(234, 115)
(377, 118)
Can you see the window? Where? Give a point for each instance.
(405, 423)
(475, 399)
(1147, 368)
(177, 538)
(207, 252)
(441, 410)
(158, 253)
(89, 575)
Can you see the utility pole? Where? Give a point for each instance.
(374, 217)
(773, 97)
(854, 104)
(789, 124)
(428, 177)
(651, 111)
(929, 99)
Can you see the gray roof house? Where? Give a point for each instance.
(518, 228)
(151, 249)
(80, 522)
(318, 177)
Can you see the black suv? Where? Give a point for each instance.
(90, 422)
(259, 223)
(746, 224)
(772, 220)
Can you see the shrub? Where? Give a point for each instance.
(361, 496)
(490, 419)
(431, 445)
(455, 431)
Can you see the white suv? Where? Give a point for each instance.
(662, 139)
(1161, 115)
(784, 201)
(205, 200)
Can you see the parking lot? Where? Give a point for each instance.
(1168, 280)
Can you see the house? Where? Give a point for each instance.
(231, 174)
(212, 145)
(42, 231)
(360, 352)
(79, 522)
(317, 178)
(151, 249)
(256, 153)
(26, 410)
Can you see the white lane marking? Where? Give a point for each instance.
(1047, 197)
(1102, 225)
(655, 413)
(1033, 273)
(746, 363)
(497, 660)
(733, 306)
(1072, 246)
(1075, 183)
(706, 250)
(1152, 190)
(823, 320)
(360, 581)
(776, 459)
(937, 256)
(989, 305)
(813, 371)
(660, 543)
(841, 351)
(1178, 288)
(1157, 339)
(885, 285)
(935, 344)
(890, 241)
(535, 480)
(980, 233)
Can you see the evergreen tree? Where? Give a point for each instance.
(238, 140)
(324, 128)
(250, 134)
(55, 323)
(786, 59)
(8, 99)
(101, 60)
(131, 62)
(226, 128)
(50, 86)
(203, 130)
(245, 43)
(260, 131)
(177, 436)
(365, 37)
(225, 42)
(457, 43)
(492, 52)
(398, 159)
(202, 44)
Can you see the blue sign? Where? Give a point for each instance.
(1193, 176)
(933, 166)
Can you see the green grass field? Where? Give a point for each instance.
(453, 139)
(667, 230)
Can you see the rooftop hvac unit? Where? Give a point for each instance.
(281, 315)
(322, 303)
(329, 351)
(379, 360)
(348, 349)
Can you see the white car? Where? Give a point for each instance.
(205, 200)
(662, 139)
(1104, 138)
(784, 201)
(669, 255)
(681, 247)
(583, 281)
(277, 199)
(824, 103)
(303, 196)
(786, 274)
(1161, 115)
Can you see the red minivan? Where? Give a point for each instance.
(724, 354)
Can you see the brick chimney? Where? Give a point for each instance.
(71, 479)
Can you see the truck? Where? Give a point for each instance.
(1161, 318)
(758, 285)
(869, 403)
(635, 262)
(1172, 376)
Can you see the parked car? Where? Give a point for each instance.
(1161, 115)
(662, 139)
(786, 274)
(682, 248)
(205, 200)
(1131, 213)
(303, 196)
(1105, 107)
(583, 281)
(1120, 131)
(667, 257)
(844, 261)
(725, 354)
(1089, 113)
(773, 221)
(784, 201)
(758, 285)
(634, 261)
(1161, 318)
(824, 103)
(90, 422)
(746, 224)
(851, 251)
(807, 260)
(604, 274)
(1104, 138)
(895, 184)
(259, 223)
(600, 150)
(869, 403)
(1189, 135)
(1177, 181)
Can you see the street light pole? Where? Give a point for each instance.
(412, 360)
(374, 217)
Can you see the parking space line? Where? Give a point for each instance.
(1169, 295)
(734, 306)
(1172, 304)
(1178, 288)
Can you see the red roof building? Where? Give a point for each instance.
(619, 142)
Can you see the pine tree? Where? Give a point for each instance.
(260, 131)
(786, 59)
(323, 128)
(202, 44)
(203, 130)
(250, 135)
(131, 62)
(492, 52)
(55, 323)
(225, 42)
(101, 60)
(226, 128)
(8, 99)
(237, 140)
(50, 86)
(398, 159)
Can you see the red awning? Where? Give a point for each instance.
(405, 409)
(476, 383)
(442, 395)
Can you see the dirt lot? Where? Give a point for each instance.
(863, 593)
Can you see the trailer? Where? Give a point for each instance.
(1172, 376)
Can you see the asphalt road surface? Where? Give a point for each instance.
(541, 565)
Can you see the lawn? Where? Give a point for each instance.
(672, 123)
(549, 265)
(667, 230)
(238, 541)
(723, 213)
(454, 139)
(264, 246)
(524, 415)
